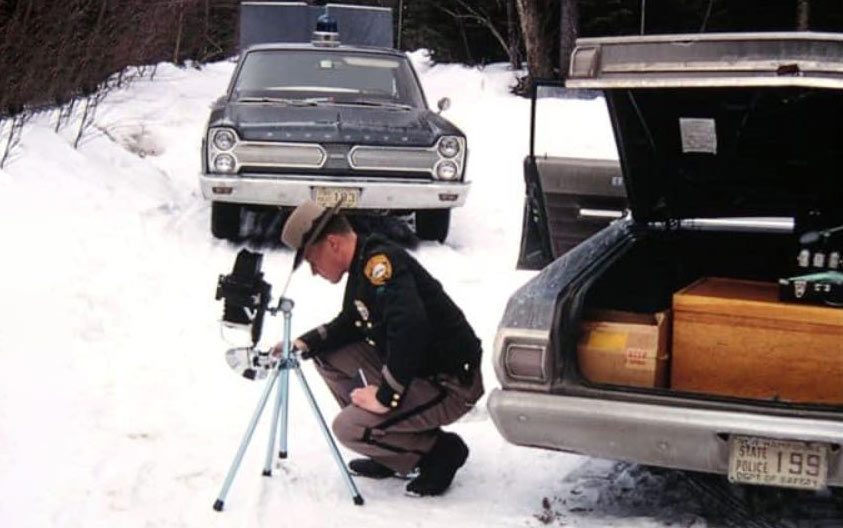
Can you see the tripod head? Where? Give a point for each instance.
(246, 298)
(245, 293)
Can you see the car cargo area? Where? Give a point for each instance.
(716, 296)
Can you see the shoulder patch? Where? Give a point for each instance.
(378, 269)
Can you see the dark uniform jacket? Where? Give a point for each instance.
(396, 306)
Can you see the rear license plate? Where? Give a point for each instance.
(784, 463)
(328, 196)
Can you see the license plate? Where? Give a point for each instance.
(784, 463)
(328, 196)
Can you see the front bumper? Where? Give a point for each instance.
(659, 435)
(374, 194)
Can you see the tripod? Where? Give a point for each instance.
(280, 376)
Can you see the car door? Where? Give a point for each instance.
(574, 184)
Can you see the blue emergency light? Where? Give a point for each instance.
(327, 31)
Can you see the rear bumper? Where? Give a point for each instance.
(659, 435)
(291, 191)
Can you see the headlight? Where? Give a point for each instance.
(224, 163)
(446, 170)
(449, 146)
(224, 139)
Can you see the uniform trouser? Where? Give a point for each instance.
(401, 436)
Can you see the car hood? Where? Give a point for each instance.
(723, 125)
(325, 123)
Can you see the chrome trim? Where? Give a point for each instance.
(522, 336)
(275, 3)
(772, 224)
(709, 60)
(508, 360)
(433, 152)
(662, 435)
(712, 37)
(741, 66)
(363, 7)
(272, 149)
(260, 149)
(600, 213)
(706, 82)
(291, 190)
(400, 154)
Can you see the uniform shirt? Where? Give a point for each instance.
(396, 306)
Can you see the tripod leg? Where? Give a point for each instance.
(282, 424)
(358, 499)
(280, 405)
(235, 464)
(285, 383)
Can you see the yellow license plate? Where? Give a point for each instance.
(329, 196)
(784, 463)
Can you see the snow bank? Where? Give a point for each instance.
(116, 406)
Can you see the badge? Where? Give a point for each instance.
(378, 269)
(364, 312)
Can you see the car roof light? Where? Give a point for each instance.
(327, 31)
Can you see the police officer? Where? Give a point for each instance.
(419, 357)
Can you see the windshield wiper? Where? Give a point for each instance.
(311, 101)
(382, 104)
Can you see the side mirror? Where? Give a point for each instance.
(443, 104)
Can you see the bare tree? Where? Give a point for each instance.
(484, 18)
(568, 32)
(803, 12)
(513, 34)
(536, 41)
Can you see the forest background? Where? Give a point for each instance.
(65, 56)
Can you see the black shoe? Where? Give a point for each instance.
(366, 467)
(438, 467)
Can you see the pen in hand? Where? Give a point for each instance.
(363, 377)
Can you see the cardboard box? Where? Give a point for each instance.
(625, 348)
(736, 338)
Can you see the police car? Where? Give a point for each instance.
(328, 122)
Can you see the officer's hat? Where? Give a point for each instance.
(304, 226)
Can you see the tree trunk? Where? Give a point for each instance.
(514, 42)
(803, 10)
(538, 52)
(177, 50)
(568, 32)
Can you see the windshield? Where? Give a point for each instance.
(330, 76)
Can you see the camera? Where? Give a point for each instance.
(245, 293)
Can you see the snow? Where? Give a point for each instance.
(116, 405)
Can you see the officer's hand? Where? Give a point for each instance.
(365, 399)
(303, 349)
(297, 344)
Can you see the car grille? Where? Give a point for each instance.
(336, 159)
(250, 154)
(337, 156)
(399, 159)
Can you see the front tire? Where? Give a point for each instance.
(433, 224)
(225, 220)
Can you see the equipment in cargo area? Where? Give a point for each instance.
(736, 338)
(625, 348)
(818, 276)
(291, 22)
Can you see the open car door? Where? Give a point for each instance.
(568, 198)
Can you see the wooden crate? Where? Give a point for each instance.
(735, 338)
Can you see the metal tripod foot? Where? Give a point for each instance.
(280, 377)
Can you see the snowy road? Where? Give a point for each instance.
(116, 407)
